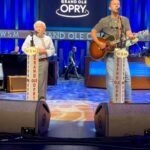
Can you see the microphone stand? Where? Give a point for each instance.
(32, 41)
(32, 70)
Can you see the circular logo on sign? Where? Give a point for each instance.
(31, 51)
(121, 53)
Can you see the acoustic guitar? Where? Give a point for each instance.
(97, 53)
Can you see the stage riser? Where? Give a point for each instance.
(137, 83)
(141, 82)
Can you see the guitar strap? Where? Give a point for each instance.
(120, 31)
(120, 27)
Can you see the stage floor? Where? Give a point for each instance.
(72, 107)
(70, 100)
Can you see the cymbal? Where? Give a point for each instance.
(147, 61)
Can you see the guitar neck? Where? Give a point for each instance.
(139, 35)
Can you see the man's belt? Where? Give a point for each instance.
(43, 59)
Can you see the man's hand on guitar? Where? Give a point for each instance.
(101, 45)
(130, 35)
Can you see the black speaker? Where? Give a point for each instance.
(122, 119)
(26, 117)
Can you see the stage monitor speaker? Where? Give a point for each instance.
(25, 117)
(122, 119)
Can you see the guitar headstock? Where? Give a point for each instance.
(143, 35)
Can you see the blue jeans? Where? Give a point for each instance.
(109, 77)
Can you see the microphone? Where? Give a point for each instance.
(118, 9)
(36, 32)
(33, 33)
(32, 41)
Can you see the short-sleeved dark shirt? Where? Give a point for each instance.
(109, 26)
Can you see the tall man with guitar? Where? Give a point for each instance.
(114, 27)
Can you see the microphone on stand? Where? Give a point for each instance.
(32, 34)
(35, 32)
(118, 9)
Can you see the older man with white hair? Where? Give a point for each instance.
(45, 49)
